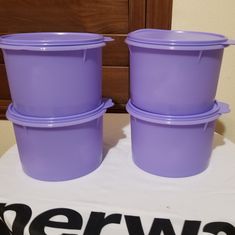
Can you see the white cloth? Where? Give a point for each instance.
(119, 187)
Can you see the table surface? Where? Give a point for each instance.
(118, 197)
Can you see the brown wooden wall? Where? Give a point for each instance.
(112, 18)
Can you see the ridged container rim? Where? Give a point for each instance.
(218, 109)
(177, 39)
(37, 122)
(52, 41)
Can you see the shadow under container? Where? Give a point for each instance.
(173, 146)
(54, 74)
(174, 72)
(58, 149)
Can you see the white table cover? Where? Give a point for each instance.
(118, 198)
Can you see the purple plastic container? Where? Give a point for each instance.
(54, 74)
(174, 72)
(173, 146)
(58, 149)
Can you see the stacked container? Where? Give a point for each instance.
(55, 81)
(173, 83)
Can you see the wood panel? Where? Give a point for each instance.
(116, 86)
(1, 57)
(70, 15)
(4, 90)
(158, 14)
(137, 10)
(116, 52)
(5, 97)
(3, 107)
(101, 16)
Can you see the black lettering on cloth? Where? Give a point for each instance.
(97, 221)
(191, 227)
(134, 226)
(162, 225)
(4, 230)
(23, 215)
(216, 227)
(39, 223)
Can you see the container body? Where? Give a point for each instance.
(54, 83)
(174, 82)
(60, 153)
(171, 150)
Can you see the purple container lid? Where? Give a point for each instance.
(52, 40)
(176, 39)
(218, 109)
(31, 121)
